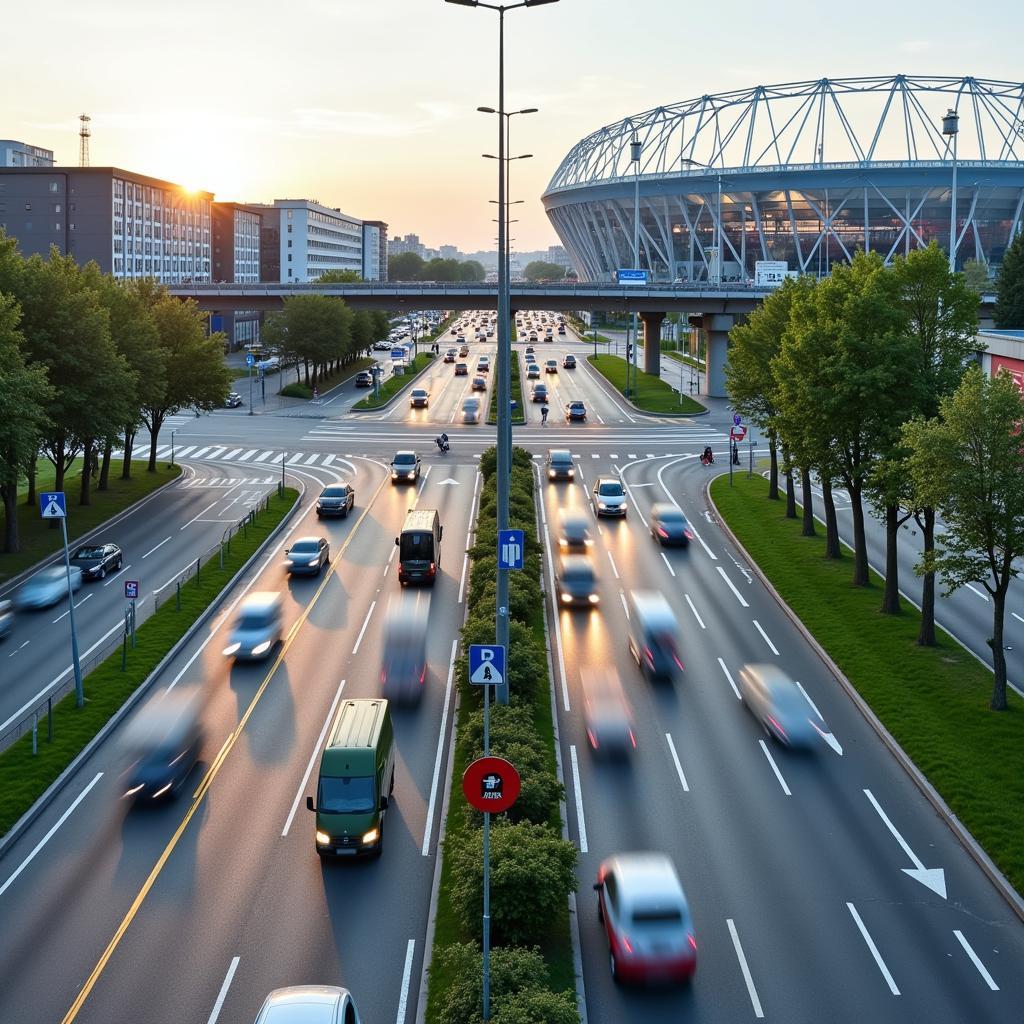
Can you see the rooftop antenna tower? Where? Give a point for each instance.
(83, 140)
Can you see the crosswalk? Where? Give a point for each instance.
(225, 453)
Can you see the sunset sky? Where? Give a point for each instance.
(371, 106)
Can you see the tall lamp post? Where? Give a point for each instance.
(635, 148)
(504, 467)
(950, 128)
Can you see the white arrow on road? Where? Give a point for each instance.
(448, 483)
(933, 878)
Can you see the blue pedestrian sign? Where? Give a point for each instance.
(632, 276)
(510, 549)
(52, 505)
(250, 359)
(398, 355)
(486, 664)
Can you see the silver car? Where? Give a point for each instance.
(309, 1004)
(257, 628)
(609, 497)
(777, 703)
(471, 410)
(47, 587)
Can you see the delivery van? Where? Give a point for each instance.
(419, 547)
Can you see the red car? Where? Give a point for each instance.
(646, 918)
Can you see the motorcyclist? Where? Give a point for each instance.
(442, 443)
(708, 457)
(544, 415)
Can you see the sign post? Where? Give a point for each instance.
(250, 360)
(131, 595)
(53, 505)
(737, 432)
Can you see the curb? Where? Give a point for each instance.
(53, 790)
(931, 794)
(398, 394)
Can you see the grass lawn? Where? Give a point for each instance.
(24, 777)
(934, 701)
(652, 393)
(682, 357)
(39, 539)
(519, 409)
(300, 390)
(393, 385)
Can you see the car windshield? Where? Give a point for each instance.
(610, 489)
(346, 796)
(405, 459)
(576, 406)
(657, 915)
(671, 515)
(305, 547)
(89, 552)
(255, 619)
(561, 459)
(333, 492)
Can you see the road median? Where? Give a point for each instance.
(393, 387)
(650, 394)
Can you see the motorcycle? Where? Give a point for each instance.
(706, 459)
(442, 444)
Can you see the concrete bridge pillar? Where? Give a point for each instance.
(717, 326)
(652, 342)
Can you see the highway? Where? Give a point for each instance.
(795, 866)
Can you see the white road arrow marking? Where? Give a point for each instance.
(448, 483)
(829, 739)
(933, 878)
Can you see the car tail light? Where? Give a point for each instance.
(648, 654)
(663, 532)
(593, 739)
(679, 664)
(627, 946)
(433, 568)
(688, 534)
(778, 728)
(692, 941)
(632, 739)
(423, 674)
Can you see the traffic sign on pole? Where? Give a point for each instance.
(53, 505)
(250, 359)
(486, 664)
(511, 544)
(131, 590)
(491, 784)
(738, 433)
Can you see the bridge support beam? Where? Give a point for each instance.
(652, 342)
(717, 326)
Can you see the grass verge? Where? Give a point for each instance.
(24, 777)
(519, 409)
(39, 539)
(682, 357)
(324, 384)
(652, 394)
(393, 385)
(935, 704)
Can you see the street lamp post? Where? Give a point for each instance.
(172, 448)
(950, 128)
(635, 148)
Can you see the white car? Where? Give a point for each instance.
(609, 497)
(309, 1004)
(47, 587)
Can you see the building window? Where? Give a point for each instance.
(56, 207)
(28, 206)
(53, 186)
(289, 243)
(57, 227)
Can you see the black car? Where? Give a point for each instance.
(479, 384)
(96, 560)
(669, 525)
(405, 467)
(575, 411)
(539, 393)
(461, 370)
(308, 555)
(335, 500)
(233, 401)
(569, 362)
(364, 379)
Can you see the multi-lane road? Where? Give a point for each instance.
(796, 867)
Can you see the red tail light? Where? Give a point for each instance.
(649, 656)
(433, 568)
(627, 945)
(693, 943)
(689, 534)
(592, 738)
(663, 532)
(632, 739)
(778, 728)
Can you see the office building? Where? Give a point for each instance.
(375, 250)
(313, 239)
(236, 257)
(21, 154)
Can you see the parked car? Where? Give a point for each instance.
(669, 525)
(609, 496)
(309, 1004)
(569, 362)
(405, 467)
(575, 411)
(419, 398)
(777, 703)
(96, 560)
(233, 401)
(47, 587)
(364, 379)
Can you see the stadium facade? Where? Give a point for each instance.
(804, 172)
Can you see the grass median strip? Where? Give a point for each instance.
(934, 700)
(299, 389)
(519, 409)
(24, 777)
(393, 385)
(651, 393)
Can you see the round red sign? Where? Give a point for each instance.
(491, 784)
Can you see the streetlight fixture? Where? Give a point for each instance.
(635, 149)
(950, 128)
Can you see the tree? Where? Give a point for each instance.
(472, 270)
(315, 330)
(381, 324)
(976, 275)
(340, 277)
(969, 464)
(362, 331)
(1009, 311)
(538, 270)
(438, 269)
(405, 266)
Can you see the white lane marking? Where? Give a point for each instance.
(198, 454)
(874, 949)
(555, 617)
(625, 607)
(668, 564)
(423, 481)
(119, 572)
(1017, 617)
(675, 758)
(774, 649)
(328, 459)
(403, 999)
(580, 822)
(732, 587)
(391, 556)
(649, 484)
(751, 991)
(614, 567)
(231, 455)
(163, 542)
(696, 614)
(668, 494)
(775, 767)
(632, 455)
(312, 459)
(462, 581)
(192, 520)
(595, 455)
(78, 604)
(933, 878)
(366, 622)
(296, 458)
(264, 456)
(49, 835)
(182, 452)
(601, 421)
(613, 455)
(728, 676)
(428, 828)
(974, 960)
(811, 702)
(312, 760)
(975, 590)
(223, 994)
(700, 540)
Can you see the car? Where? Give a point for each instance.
(606, 714)
(641, 903)
(309, 1004)
(533, 372)
(669, 525)
(461, 339)
(47, 587)
(6, 618)
(464, 352)
(574, 530)
(530, 359)
(257, 628)
(483, 365)
(479, 384)
(403, 671)
(490, 334)
(449, 356)
(533, 335)
(551, 366)
(575, 411)
(576, 582)
(609, 496)
(461, 370)
(405, 467)
(336, 500)
(383, 346)
(471, 410)
(162, 743)
(653, 635)
(549, 337)
(777, 703)
(364, 379)
(569, 362)
(561, 328)
(96, 560)
(419, 398)
(529, 350)
(560, 464)
(233, 401)
(539, 393)
(522, 334)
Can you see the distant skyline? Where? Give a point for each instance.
(372, 108)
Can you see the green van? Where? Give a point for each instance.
(357, 776)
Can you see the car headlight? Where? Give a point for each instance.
(594, 599)
(231, 649)
(371, 837)
(566, 598)
(261, 648)
(322, 838)
(551, 474)
(602, 504)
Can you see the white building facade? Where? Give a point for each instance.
(315, 239)
(21, 154)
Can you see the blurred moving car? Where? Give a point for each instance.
(307, 555)
(47, 587)
(574, 530)
(539, 393)
(6, 618)
(403, 671)
(471, 410)
(479, 384)
(646, 918)
(233, 401)
(257, 627)
(777, 703)
(336, 500)
(575, 411)
(576, 582)
(461, 370)
(96, 560)
(364, 379)
(449, 356)
(464, 352)
(606, 713)
(569, 361)
(419, 398)
(669, 525)
(405, 467)
(653, 634)
(560, 464)
(609, 496)
(309, 1004)
(162, 743)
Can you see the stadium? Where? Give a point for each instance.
(805, 173)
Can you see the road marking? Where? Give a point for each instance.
(49, 835)
(975, 590)
(675, 758)
(312, 760)
(732, 587)
(462, 581)
(223, 994)
(555, 616)
(231, 455)
(811, 702)
(580, 822)
(594, 455)
(163, 542)
(696, 615)
(874, 949)
(182, 452)
(974, 960)
(264, 456)
(729, 677)
(428, 828)
(198, 454)
(632, 455)
(78, 604)
(622, 598)
(215, 452)
(403, 999)
(933, 878)
(751, 991)
(191, 521)
(423, 481)
(614, 567)
(612, 455)
(1017, 617)
(668, 564)
(248, 455)
(366, 622)
(120, 572)
(775, 768)
(774, 649)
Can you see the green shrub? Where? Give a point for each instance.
(536, 1006)
(523, 595)
(510, 723)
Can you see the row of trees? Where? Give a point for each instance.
(539, 270)
(86, 359)
(408, 266)
(866, 380)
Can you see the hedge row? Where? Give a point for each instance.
(533, 869)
